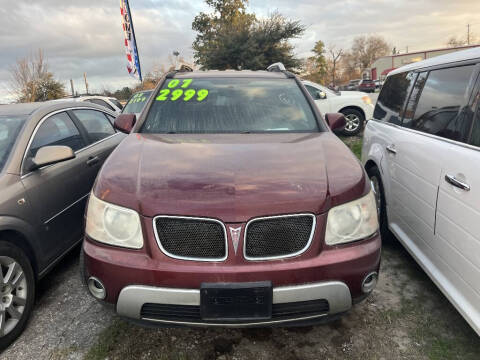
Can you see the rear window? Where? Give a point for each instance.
(230, 105)
(9, 129)
(137, 102)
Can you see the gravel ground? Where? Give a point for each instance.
(406, 317)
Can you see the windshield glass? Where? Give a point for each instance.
(230, 105)
(137, 102)
(9, 129)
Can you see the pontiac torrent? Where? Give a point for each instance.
(231, 203)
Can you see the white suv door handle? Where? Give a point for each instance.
(391, 149)
(455, 182)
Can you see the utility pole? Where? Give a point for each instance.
(86, 82)
(176, 53)
(71, 85)
(407, 49)
(468, 34)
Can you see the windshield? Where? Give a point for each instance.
(9, 129)
(230, 105)
(137, 102)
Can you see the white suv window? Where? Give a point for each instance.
(442, 109)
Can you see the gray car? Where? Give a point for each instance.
(50, 154)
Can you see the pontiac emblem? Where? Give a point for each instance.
(235, 234)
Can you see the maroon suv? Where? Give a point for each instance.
(231, 203)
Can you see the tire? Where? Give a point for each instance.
(17, 289)
(355, 121)
(377, 185)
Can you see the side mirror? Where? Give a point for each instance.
(321, 95)
(335, 121)
(125, 122)
(49, 155)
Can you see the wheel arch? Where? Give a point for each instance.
(370, 164)
(20, 238)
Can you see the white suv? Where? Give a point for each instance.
(422, 153)
(355, 105)
(110, 103)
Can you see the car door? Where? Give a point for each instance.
(457, 232)
(418, 153)
(101, 138)
(322, 104)
(55, 191)
(386, 131)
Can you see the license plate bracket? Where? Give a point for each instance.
(236, 301)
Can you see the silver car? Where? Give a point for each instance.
(50, 154)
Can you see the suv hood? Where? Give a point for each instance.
(231, 177)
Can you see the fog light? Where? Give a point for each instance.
(96, 288)
(369, 282)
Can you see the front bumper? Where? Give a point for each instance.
(334, 294)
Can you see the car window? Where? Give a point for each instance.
(10, 127)
(413, 99)
(392, 98)
(58, 129)
(313, 91)
(116, 103)
(101, 103)
(475, 138)
(136, 102)
(96, 123)
(441, 109)
(230, 105)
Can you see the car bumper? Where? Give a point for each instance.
(134, 279)
(133, 298)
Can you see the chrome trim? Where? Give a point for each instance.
(391, 149)
(133, 297)
(159, 243)
(453, 142)
(367, 289)
(42, 120)
(68, 207)
(239, 325)
(312, 232)
(452, 180)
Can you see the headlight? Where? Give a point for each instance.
(352, 221)
(113, 225)
(367, 100)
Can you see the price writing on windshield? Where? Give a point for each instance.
(178, 90)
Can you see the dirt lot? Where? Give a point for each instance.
(406, 317)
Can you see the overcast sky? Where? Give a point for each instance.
(86, 36)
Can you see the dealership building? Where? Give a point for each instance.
(382, 66)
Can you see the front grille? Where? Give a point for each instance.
(191, 238)
(279, 236)
(192, 312)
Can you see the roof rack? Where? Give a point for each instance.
(183, 68)
(278, 66)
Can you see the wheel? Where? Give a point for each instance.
(377, 188)
(355, 120)
(17, 291)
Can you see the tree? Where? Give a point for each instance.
(456, 42)
(319, 61)
(335, 56)
(231, 38)
(31, 80)
(365, 50)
